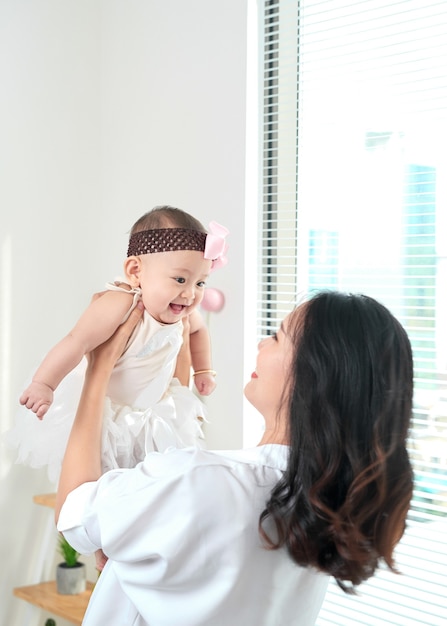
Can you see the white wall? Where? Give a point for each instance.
(107, 108)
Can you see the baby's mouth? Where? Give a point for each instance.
(177, 308)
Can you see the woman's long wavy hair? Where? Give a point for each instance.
(343, 500)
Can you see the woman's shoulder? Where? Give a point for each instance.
(183, 460)
(273, 456)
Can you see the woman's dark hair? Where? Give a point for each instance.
(343, 499)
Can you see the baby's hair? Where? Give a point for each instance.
(166, 217)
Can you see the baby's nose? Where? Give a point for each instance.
(188, 292)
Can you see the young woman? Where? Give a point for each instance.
(251, 537)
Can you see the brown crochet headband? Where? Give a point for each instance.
(166, 240)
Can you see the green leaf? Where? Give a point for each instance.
(70, 555)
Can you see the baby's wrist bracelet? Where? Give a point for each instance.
(212, 372)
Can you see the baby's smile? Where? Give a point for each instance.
(177, 308)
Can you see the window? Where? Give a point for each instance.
(353, 171)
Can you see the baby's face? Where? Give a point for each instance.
(173, 283)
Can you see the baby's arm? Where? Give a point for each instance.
(98, 322)
(201, 355)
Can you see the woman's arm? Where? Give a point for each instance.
(82, 459)
(183, 365)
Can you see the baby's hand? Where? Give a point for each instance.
(205, 383)
(100, 559)
(38, 398)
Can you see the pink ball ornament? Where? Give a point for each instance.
(213, 300)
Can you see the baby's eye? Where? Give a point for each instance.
(201, 283)
(180, 280)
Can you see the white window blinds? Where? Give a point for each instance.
(353, 136)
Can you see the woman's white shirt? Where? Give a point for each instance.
(181, 533)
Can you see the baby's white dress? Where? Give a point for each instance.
(146, 409)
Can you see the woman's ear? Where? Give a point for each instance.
(132, 269)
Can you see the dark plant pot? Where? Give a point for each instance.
(71, 580)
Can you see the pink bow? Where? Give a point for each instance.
(215, 245)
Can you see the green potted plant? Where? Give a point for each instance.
(71, 577)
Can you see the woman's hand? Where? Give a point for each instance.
(104, 357)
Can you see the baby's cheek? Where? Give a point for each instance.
(199, 297)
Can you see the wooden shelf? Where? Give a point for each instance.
(45, 596)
